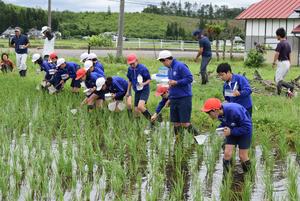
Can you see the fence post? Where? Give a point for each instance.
(116, 43)
(161, 44)
(139, 43)
(182, 45)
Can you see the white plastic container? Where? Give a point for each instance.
(139, 86)
(108, 96)
(220, 131)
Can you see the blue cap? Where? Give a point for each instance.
(197, 32)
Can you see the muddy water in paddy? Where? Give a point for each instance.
(210, 187)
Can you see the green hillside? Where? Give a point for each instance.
(138, 25)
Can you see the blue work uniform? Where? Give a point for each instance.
(238, 119)
(180, 95)
(241, 84)
(132, 75)
(99, 66)
(119, 87)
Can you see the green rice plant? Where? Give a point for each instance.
(283, 145)
(247, 188)
(292, 175)
(225, 189)
(269, 188)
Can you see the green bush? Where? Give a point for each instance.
(99, 41)
(254, 59)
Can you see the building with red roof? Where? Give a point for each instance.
(262, 19)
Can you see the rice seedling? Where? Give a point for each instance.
(292, 176)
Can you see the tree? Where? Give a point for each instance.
(214, 30)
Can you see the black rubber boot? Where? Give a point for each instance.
(147, 114)
(227, 164)
(246, 166)
(203, 77)
(24, 73)
(191, 129)
(21, 73)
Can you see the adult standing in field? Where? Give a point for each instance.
(205, 52)
(283, 58)
(236, 87)
(49, 40)
(20, 42)
(237, 130)
(180, 92)
(138, 79)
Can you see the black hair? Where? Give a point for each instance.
(223, 68)
(108, 81)
(281, 32)
(3, 54)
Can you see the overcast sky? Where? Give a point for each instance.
(102, 5)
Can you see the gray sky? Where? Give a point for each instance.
(102, 5)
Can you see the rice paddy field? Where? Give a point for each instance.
(47, 153)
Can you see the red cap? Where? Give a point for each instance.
(131, 58)
(80, 73)
(211, 104)
(161, 89)
(53, 55)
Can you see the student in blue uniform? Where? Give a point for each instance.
(163, 91)
(93, 57)
(237, 124)
(180, 93)
(44, 66)
(68, 70)
(117, 86)
(90, 79)
(236, 88)
(138, 79)
(90, 66)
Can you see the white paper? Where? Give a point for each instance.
(200, 139)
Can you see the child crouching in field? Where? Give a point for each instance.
(6, 64)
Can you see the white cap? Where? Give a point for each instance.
(164, 54)
(88, 64)
(60, 61)
(99, 83)
(84, 56)
(35, 57)
(44, 28)
(92, 56)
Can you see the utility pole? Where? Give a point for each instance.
(121, 29)
(49, 13)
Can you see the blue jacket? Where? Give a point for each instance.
(242, 85)
(161, 104)
(90, 81)
(18, 41)
(98, 65)
(205, 44)
(71, 69)
(133, 73)
(181, 73)
(46, 66)
(119, 86)
(237, 118)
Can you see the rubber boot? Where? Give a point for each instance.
(227, 164)
(246, 166)
(24, 73)
(203, 78)
(21, 73)
(147, 114)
